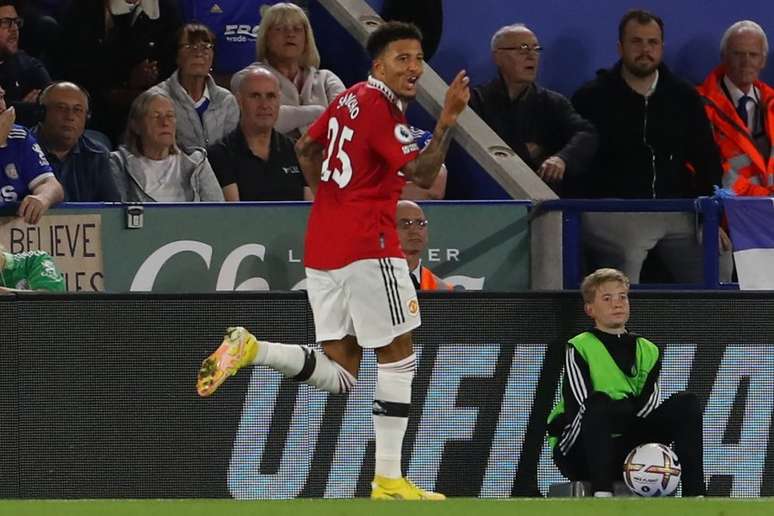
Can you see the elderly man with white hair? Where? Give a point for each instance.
(741, 109)
(540, 125)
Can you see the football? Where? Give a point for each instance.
(652, 469)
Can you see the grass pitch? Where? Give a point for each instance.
(360, 507)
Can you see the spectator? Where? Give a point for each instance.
(22, 77)
(235, 23)
(654, 142)
(740, 108)
(27, 272)
(80, 164)
(412, 232)
(150, 167)
(205, 110)
(25, 175)
(610, 397)
(117, 49)
(540, 125)
(286, 46)
(254, 162)
(414, 192)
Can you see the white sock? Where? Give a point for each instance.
(305, 364)
(392, 399)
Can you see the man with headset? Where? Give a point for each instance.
(80, 163)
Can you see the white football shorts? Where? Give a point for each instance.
(372, 299)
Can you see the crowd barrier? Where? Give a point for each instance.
(99, 398)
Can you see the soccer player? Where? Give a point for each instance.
(357, 277)
(610, 397)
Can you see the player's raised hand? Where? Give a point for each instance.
(457, 97)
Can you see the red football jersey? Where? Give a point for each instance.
(366, 143)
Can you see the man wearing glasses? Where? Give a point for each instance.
(540, 125)
(412, 232)
(21, 76)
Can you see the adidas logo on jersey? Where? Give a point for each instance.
(216, 9)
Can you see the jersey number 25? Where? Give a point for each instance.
(336, 141)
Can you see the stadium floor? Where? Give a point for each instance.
(358, 507)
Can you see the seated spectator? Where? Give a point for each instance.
(21, 76)
(286, 46)
(254, 162)
(414, 192)
(740, 108)
(610, 397)
(205, 111)
(150, 167)
(28, 272)
(654, 142)
(25, 175)
(117, 49)
(540, 125)
(235, 22)
(80, 164)
(412, 232)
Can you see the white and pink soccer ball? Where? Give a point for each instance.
(652, 469)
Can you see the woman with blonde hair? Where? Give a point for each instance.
(285, 44)
(150, 167)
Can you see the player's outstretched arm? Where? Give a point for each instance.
(426, 166)
(310, 158)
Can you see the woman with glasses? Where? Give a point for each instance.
(285, 44)
(150, 167)
(205, 111)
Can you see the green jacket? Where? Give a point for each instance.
(605, 375)
(32, 270)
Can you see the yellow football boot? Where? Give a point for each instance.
(383, 488)
(238, 349)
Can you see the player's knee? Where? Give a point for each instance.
(686, 404)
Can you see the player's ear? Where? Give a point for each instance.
(588, 309)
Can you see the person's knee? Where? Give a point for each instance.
(400, 348)
(686, 404)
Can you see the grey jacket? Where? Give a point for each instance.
(220, 118)
(129, 176)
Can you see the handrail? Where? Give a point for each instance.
(709, 209)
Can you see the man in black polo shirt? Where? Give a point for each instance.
(254, 162)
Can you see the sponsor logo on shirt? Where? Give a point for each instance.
(8, 194)
(41, 157)
(215, 9)
(403, 134)
(11, 172)
(349, 101)
(408, 149)
(291, 170)
(240, 33)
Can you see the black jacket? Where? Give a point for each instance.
(659, 147)
(538, 116)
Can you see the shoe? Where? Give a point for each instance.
(383, 488)
(238, 349)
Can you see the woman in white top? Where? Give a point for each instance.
(285, 44)
(150, 167)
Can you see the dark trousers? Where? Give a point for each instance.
(598, 457)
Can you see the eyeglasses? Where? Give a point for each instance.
(5, 23)
(159, 117)
(524, 49)
(197, 47)
(408, 223)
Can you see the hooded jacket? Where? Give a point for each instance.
(659, 146)
(129, 175)
(219, 119)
